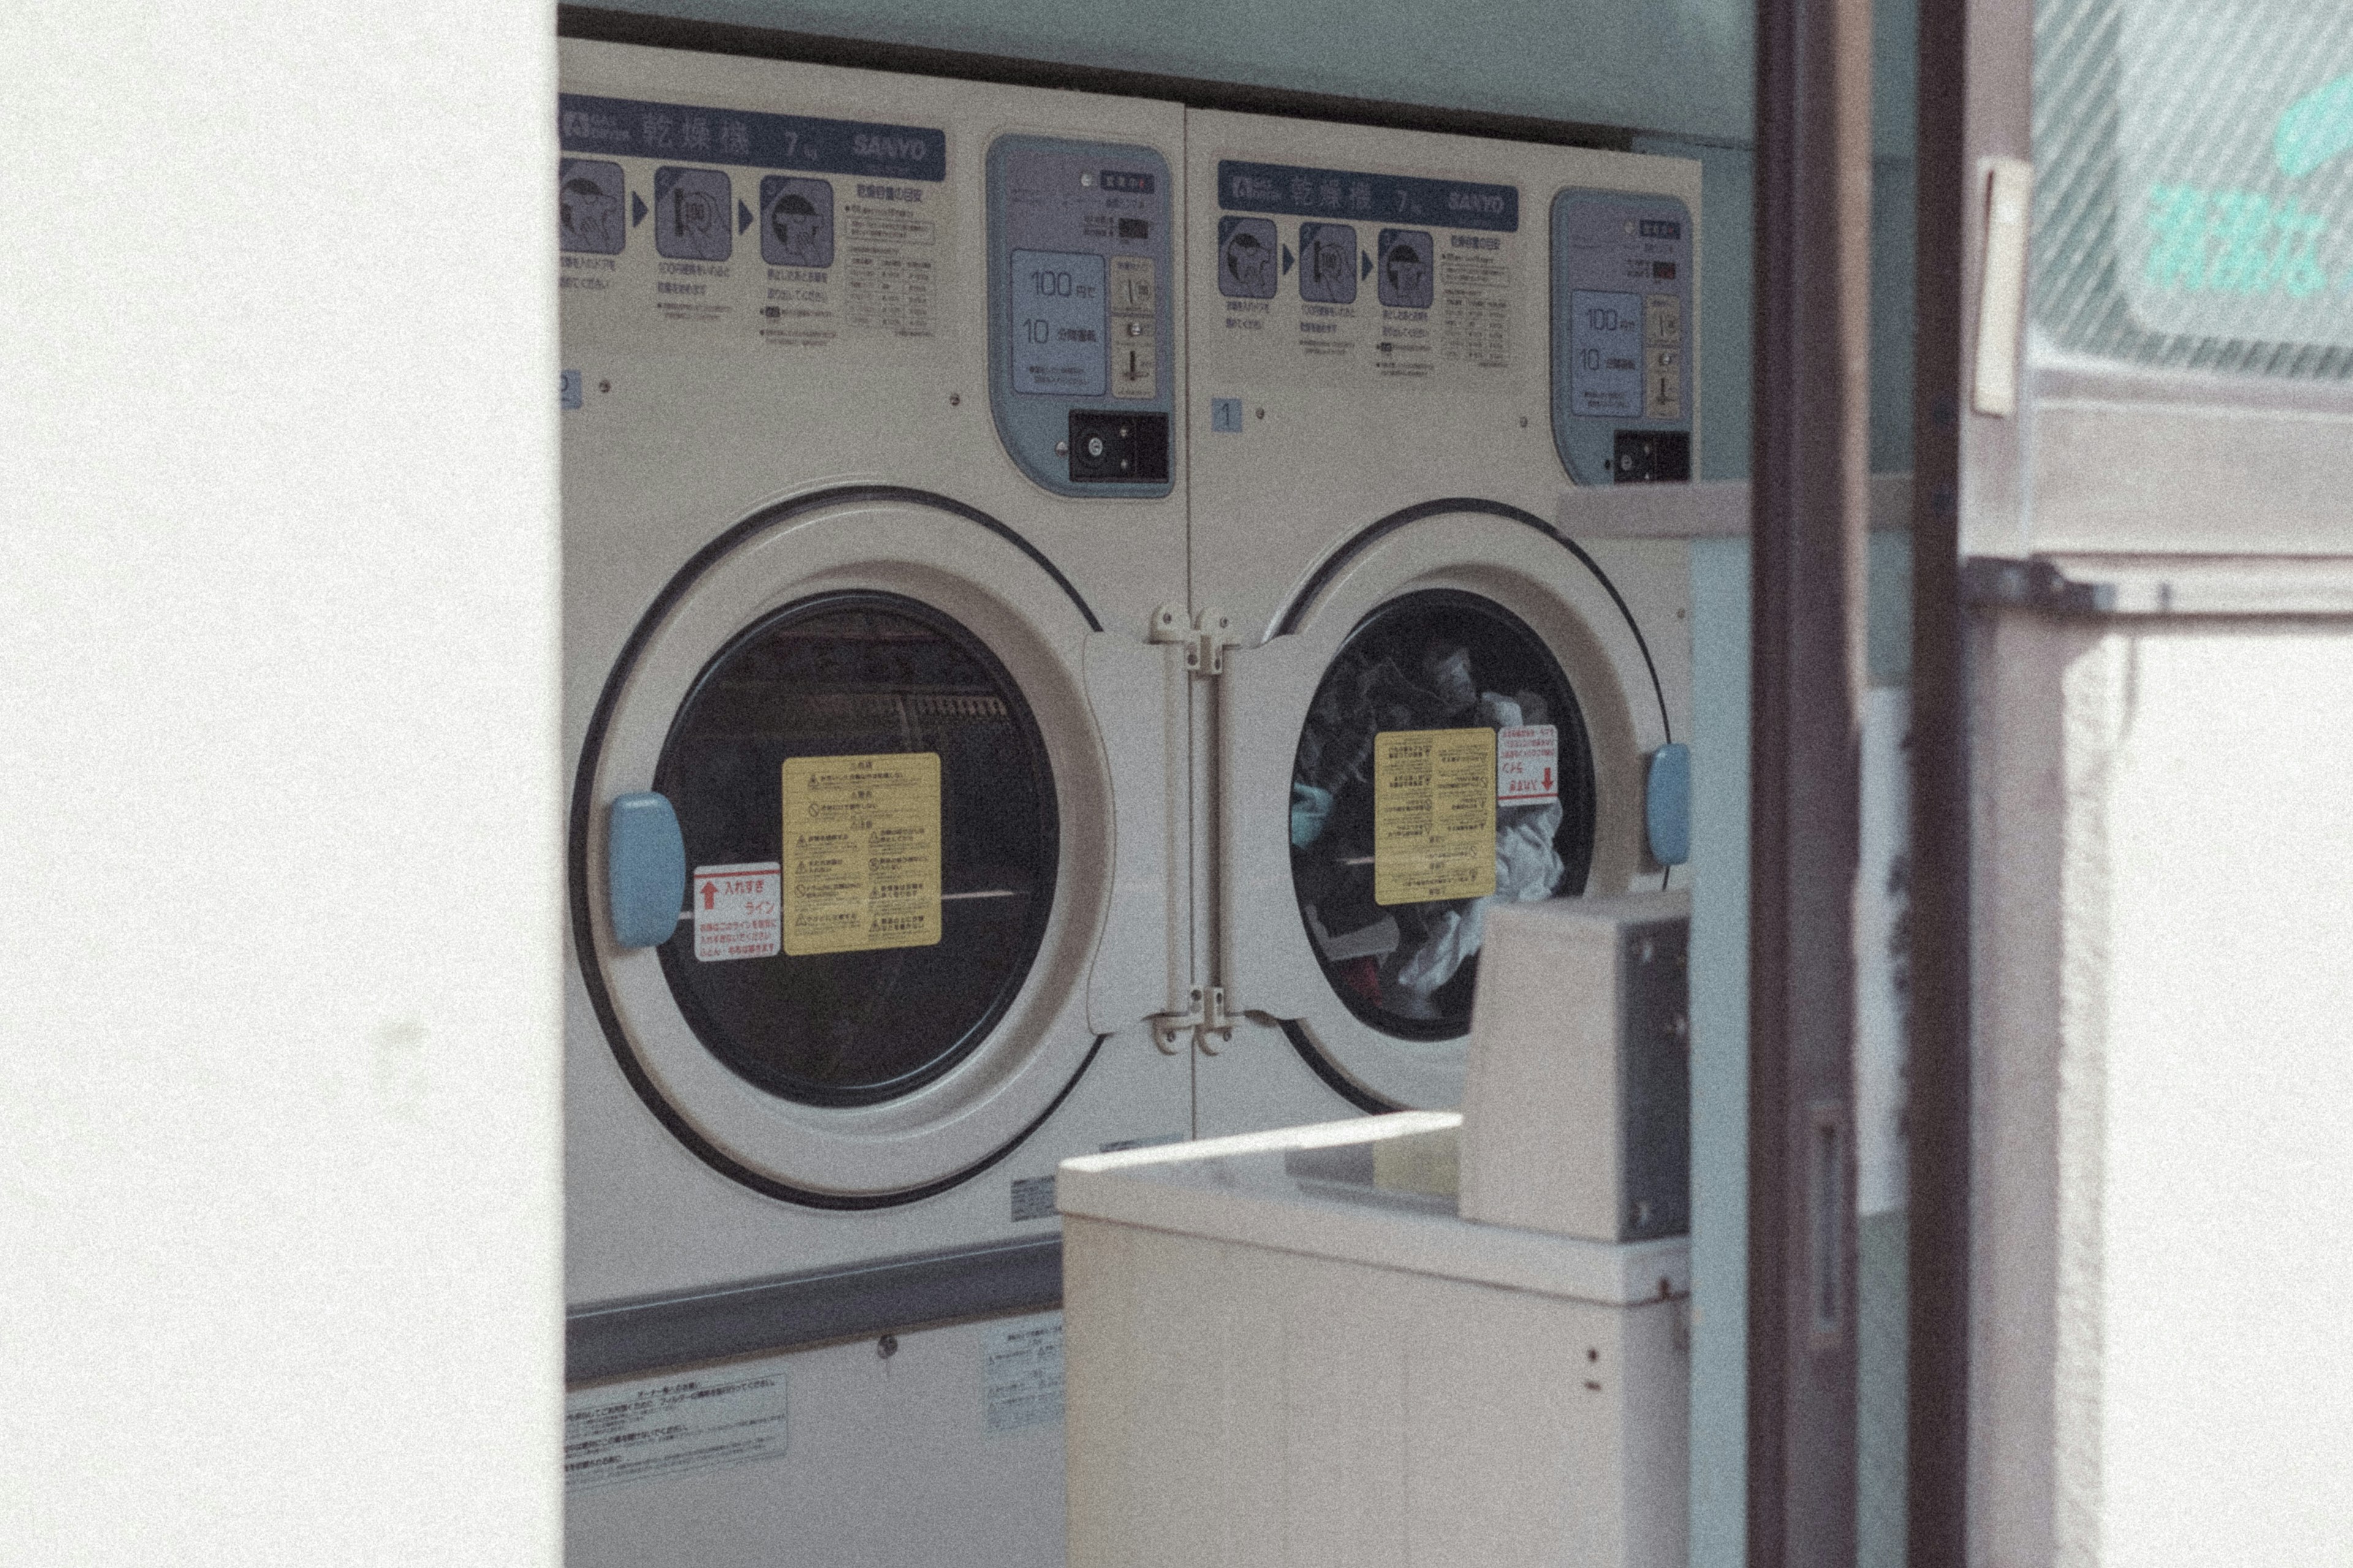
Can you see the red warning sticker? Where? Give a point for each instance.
(736, 911)
(1527, 763)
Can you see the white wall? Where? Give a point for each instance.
(2159, 1372)
(279, 804)
(2215, 1371)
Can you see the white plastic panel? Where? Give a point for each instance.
(1262, 1376)
(1136, 693)
(1262, 700)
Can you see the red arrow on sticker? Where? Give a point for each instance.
(709, 893)
(1547, 783)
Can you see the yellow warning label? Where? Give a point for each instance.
(861, 852)
(1434, 815)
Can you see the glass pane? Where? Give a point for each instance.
(861, 676)
(2190, 183)
(1436, 660)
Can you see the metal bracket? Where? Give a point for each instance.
(2001, 284)
(1207, 1017)
(2173, 587)
(1205, 640)
(1995, 581)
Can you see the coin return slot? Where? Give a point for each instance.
(1111, 447)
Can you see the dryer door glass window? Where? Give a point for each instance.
(911, 908)
(1417, 678)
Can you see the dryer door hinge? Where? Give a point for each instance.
(1205, 639)
(1208, 1020)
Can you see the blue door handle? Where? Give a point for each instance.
(1666, 805)
(645, 870)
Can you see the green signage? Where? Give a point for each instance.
(2315, 128)
(2234, 163)
(2240, 243)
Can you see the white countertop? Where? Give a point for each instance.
(1317, 1191)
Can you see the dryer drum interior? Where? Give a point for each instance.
(1438, 660)
(862, 675)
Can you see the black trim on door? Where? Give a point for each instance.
(583, 821)
(1333, 1079)
(1304, 603)
(1339, 559)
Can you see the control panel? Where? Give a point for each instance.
(1621, 337)
(1081, 344)
(693, 227)
(1389, 286)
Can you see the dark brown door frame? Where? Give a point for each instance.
(1938, 1105)
(1811, 466)
(1976, 101)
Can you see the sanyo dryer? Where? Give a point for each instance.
(1403, 346)
(872, 483)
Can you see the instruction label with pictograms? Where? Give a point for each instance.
(1527, 763)
(1434, 815)
(1384, 279)
(708, 224)
(736, 911)
(861, 852)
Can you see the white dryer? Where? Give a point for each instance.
(1403, 346)
(873, 448)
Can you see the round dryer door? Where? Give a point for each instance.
(868, 715)
(1455, 711)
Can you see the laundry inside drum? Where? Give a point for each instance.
(1445, 751)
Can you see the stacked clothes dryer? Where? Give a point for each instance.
(873, 483)
(1403, 345)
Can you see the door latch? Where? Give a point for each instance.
(1205, 639)
(1207, 1018)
